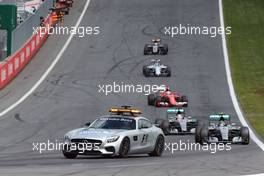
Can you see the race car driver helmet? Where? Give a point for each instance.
(221, 121)
(167, 91)
(167, 88)
(179, 116)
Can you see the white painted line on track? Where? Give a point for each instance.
(44, 76)
(230, 83)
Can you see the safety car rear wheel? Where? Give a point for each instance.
(145, 71)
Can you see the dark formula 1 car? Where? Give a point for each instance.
(167, 98)
(221, 130)
(155, 47)
(177, 122)
(156, 68)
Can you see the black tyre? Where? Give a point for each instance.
(166, 49)
(148, 73)
(146, 52)
(165, 126)
(159, 146)
(184, 99)
(245, 135)
(144, 70)
(124, 147)
(198, 132)
(168, 71)
(178, 99)
(70, 154)
(204, 135)
(151, 99)
(157, 99)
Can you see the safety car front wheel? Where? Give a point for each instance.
(124, 148)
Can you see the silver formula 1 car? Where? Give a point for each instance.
(156, 68)
(177, 122)
(120, 133)
(221, 130)
(156, 47)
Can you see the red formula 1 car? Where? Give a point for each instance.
(167, 98)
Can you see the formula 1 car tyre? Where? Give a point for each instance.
(204, 135)
(145, 71)
(165, 126)
(198, 132)
(151, 99)
(168, 71)
(245, 135)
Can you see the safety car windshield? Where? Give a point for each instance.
(114, 123)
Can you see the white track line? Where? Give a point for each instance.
(230, 83)
(43, 77)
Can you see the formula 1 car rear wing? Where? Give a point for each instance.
(175, 111)
(218, 117)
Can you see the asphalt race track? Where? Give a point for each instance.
(69, 97)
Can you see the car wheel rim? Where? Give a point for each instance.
(160, 145)
(125, 147)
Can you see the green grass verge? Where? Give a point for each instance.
(246, 54)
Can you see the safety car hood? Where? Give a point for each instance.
(91, 133)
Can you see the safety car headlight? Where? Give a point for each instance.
(112, 139)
